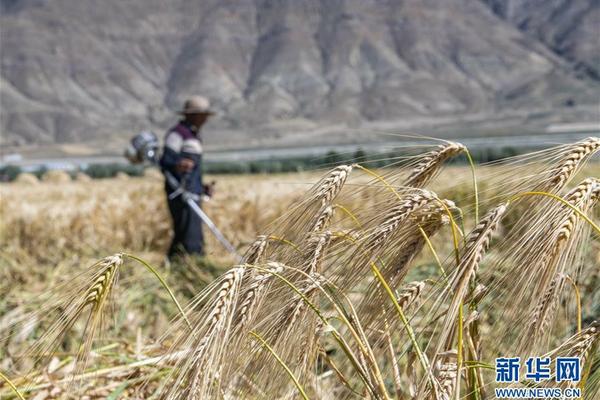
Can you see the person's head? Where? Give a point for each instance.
(196, 111)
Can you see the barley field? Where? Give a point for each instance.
(400, 283)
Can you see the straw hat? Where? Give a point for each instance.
(196, 105)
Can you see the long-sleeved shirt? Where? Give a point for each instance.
(182, 142)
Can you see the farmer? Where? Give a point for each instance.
(182, 157)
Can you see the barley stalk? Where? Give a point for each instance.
(447, 375)
(323, 219)
(101, 286)
(294, 310)
(256, 250)
(581, 196)
(582, 346)
(251, 295)
(73, 305)
(317, 247)
(197, 375)
(572, 159)
(476, 245)
(409, 293)
(430, 163)
(331, 185)
(544, 310)
(399, 214)
(432, 217)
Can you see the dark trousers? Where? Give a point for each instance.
(187, 228)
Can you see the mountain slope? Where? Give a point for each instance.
(569, 28)
(82, 71)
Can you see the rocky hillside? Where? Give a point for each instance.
(571, 29)
(86, 71)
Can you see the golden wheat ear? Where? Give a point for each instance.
(198, 374)
(330, 186)
(284, 318)
(539, 258)
(252, 294)
(583, 345)
(397, 215)
(78, 308)
(442, 312)
(396, 264)
(83, 300)
(429, 164)
(287, 232)
(445, 372)
(564, 238)
(572, 159)
(256, 250)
